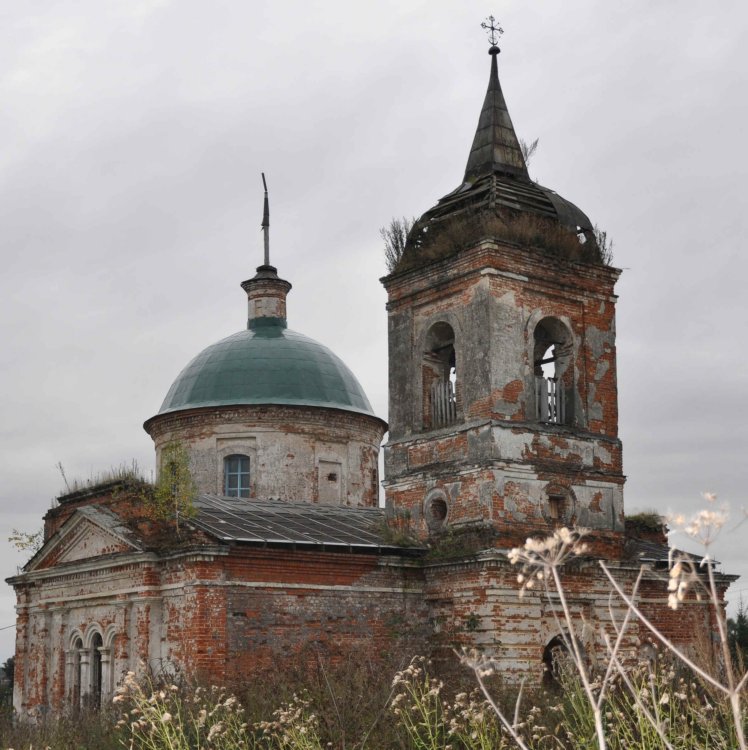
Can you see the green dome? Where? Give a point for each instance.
(267, 364)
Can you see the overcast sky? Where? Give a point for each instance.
(133, 136)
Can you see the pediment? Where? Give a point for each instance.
(89, 533)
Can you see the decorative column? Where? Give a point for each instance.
(106, 674)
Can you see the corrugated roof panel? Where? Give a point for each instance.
(279, 522)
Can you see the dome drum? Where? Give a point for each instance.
(294, 453)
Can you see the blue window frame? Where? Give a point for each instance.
(236, 476)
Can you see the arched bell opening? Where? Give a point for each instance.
(553, 356)
(439, 377)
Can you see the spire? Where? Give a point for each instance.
(495, 146)
(266, 291)
(266, 222)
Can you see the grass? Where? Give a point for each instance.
(127, 474)
(354, 705)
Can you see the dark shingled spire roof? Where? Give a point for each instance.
(496, 193)
(495, 146)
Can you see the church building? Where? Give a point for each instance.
(503, 424)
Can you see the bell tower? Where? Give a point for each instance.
(502, 360)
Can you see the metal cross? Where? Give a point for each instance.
(494, 31)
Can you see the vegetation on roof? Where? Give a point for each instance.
(646, 521)
(462, 541)
(128, 474)
(429, 241)
(395, 237)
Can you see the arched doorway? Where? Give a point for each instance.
(556, 660)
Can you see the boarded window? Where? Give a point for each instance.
(330, 483)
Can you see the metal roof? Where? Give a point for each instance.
(645, 550)
(267, 364)
(269, 522)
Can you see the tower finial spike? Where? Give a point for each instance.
(494, 31)
(496, 148)
(266, 222)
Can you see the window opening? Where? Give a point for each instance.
(439, 373)
(556, 507)
(435, 510)
(548, 363)
(438, 510)
(555, 661)
(96, 671)
(553, 377)
(330, 480)
(236, 476)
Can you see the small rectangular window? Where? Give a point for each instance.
(236, 476)
(556, 508)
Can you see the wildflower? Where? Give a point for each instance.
(537, 556)
(215, 730)
(165, 717)
(704, 526)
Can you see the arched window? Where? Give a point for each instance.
(236, 476)
(439, 373)
(88, 666)
(556, 660)
(97, 644)
(435, 510)
(554, 373)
